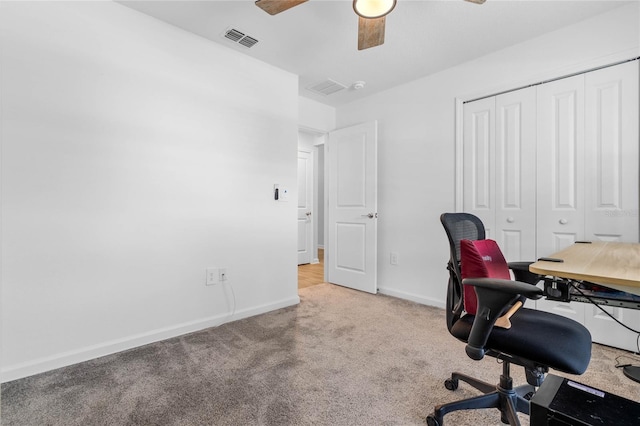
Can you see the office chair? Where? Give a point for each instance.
(536, 340)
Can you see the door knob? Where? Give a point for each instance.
(308, 213)
(370, 215)
(510, 219)
(563, 221)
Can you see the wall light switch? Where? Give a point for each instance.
(280, 193)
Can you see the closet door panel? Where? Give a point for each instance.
(611, 153)
(479, 163)
(515, 174)
(560, 164)
(611, 196)
(572, 310)
(608, 332)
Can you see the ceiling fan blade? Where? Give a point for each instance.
(476, 1)
(273, 7)
(370, 32)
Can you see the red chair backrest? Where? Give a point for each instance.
(480, 259)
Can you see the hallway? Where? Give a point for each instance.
(311, 273)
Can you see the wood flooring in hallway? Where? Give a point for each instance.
(311, 273)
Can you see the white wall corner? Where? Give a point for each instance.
(412, 297)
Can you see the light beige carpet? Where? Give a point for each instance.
(341, 357)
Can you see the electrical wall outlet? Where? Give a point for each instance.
(213, 276)
(393, 259)
(222, 274)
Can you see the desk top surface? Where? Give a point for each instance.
(609, 263)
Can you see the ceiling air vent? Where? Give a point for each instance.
(247, 41)
(240, 37)
(327, 87)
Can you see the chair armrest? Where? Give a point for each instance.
(494, 297)
(510, 287)
(521, 272)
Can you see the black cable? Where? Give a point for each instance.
(618, 365)
(608, 314)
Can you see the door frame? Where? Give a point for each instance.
(320, 143)
(319, 139)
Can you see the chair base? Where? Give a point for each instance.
(502, 396)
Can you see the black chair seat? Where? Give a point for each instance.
(538, 331)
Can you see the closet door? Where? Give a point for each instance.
(611, 153)
(479, 163)
(606, 331)
(515, 171)
(611, 197)
(560, 176)
(560, 164)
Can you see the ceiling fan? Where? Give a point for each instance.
(371, 16)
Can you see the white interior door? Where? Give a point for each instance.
(560, 164)
(573, 310)
(606, 331)
(515, 174)
(611, 153)
(352, 207)
(611, 193)
(560, 176)
(479, 175)
(305, 207)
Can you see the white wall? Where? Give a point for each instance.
(134, 156)
(315, 116)
(417, 140)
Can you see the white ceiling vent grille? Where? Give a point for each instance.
(327, 87)
(239, 37)
(247, 41)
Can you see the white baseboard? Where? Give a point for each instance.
(18, 371)
(411, 296)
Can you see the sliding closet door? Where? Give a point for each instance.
(611, 198)
(560, 164)
(557, 163)
(611, 153)
(515, 171)
(560, 176)
(479, 161)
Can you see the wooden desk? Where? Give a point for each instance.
(612, 264)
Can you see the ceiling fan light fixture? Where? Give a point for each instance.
(371, 9)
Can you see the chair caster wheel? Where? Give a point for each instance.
(451, 384)
(432, 421)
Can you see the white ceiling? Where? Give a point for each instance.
(317, 40)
